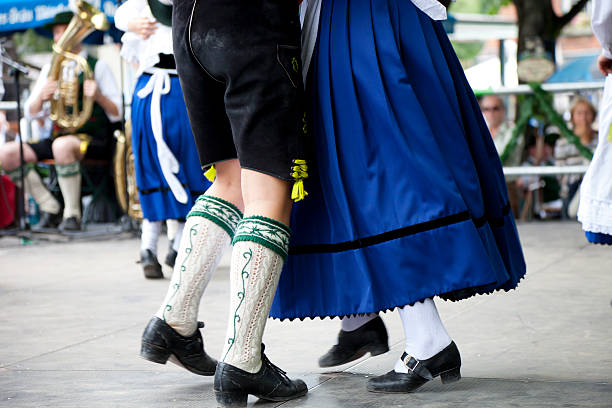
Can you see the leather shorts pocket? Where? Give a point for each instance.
(289, 57)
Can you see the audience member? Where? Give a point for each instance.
(582, 118)
(501, 129)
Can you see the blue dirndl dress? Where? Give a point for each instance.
(156, 199)
(407, 199)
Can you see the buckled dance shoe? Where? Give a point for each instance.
(161, 342)
(370, 338)
(446, 364)
(233, 385)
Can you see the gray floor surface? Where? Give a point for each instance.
(73, 312)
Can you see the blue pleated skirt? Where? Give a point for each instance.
(407, 199)
(156, 199)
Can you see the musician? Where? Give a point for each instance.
(93, 140)
(168, 173)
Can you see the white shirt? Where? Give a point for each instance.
(102, 75)
(602, 25)
(145, 53)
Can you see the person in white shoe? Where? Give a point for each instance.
(242, 84)
(409, 201)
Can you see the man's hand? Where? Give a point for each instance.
(605, 65)
(142, 26)
(48, 90)
(90, 89)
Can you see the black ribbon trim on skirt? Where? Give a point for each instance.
(167, 189)
(399, 233)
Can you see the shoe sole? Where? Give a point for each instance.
(160, 355)
(447, 377)
(231, 399)
(374, 350)
(151, 272)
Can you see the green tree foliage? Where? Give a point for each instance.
(29, 42)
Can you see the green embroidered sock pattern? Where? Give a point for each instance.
(221, 212)
(270, 233)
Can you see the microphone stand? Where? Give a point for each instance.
(16, 70)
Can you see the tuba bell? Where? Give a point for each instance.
(124, 174)
(65, 68)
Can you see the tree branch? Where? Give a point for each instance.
(564, 20)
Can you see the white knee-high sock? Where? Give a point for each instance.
(207, 234)
(150, 235)
(180, 226)
(171, 228)
(425, 334)
(69, 180)
(35, 187)
(260, 249)
(352, 323)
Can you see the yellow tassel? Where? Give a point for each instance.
(298, 193)
(610, 134)
(83, 146)
(300, 172)
(211, 173)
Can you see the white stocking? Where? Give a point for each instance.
(150, 235)
(424, 332)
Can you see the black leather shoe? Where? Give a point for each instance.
(446, 364)
(372, 337)
(171, 255)
(161, 342)
(150, 266)
(233, 385)
(46, 221)
(70, 224)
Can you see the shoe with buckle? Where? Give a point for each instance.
(70, 224)
(150, 266)
(233, 385)
(47, 221)
(370, 338)
(161, 343)
(446, 364)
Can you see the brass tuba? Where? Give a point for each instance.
(124, 174)
(65, 68)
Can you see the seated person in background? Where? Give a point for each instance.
(67, 149)
(582, 118)
(495, 114)
(546, 203)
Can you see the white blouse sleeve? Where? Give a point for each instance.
(127, 11)
(40, 83)
(602, 25)
(108, 87)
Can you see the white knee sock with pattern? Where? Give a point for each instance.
(69, 180)
(207, 234)
(260, 250)
(425, 334)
